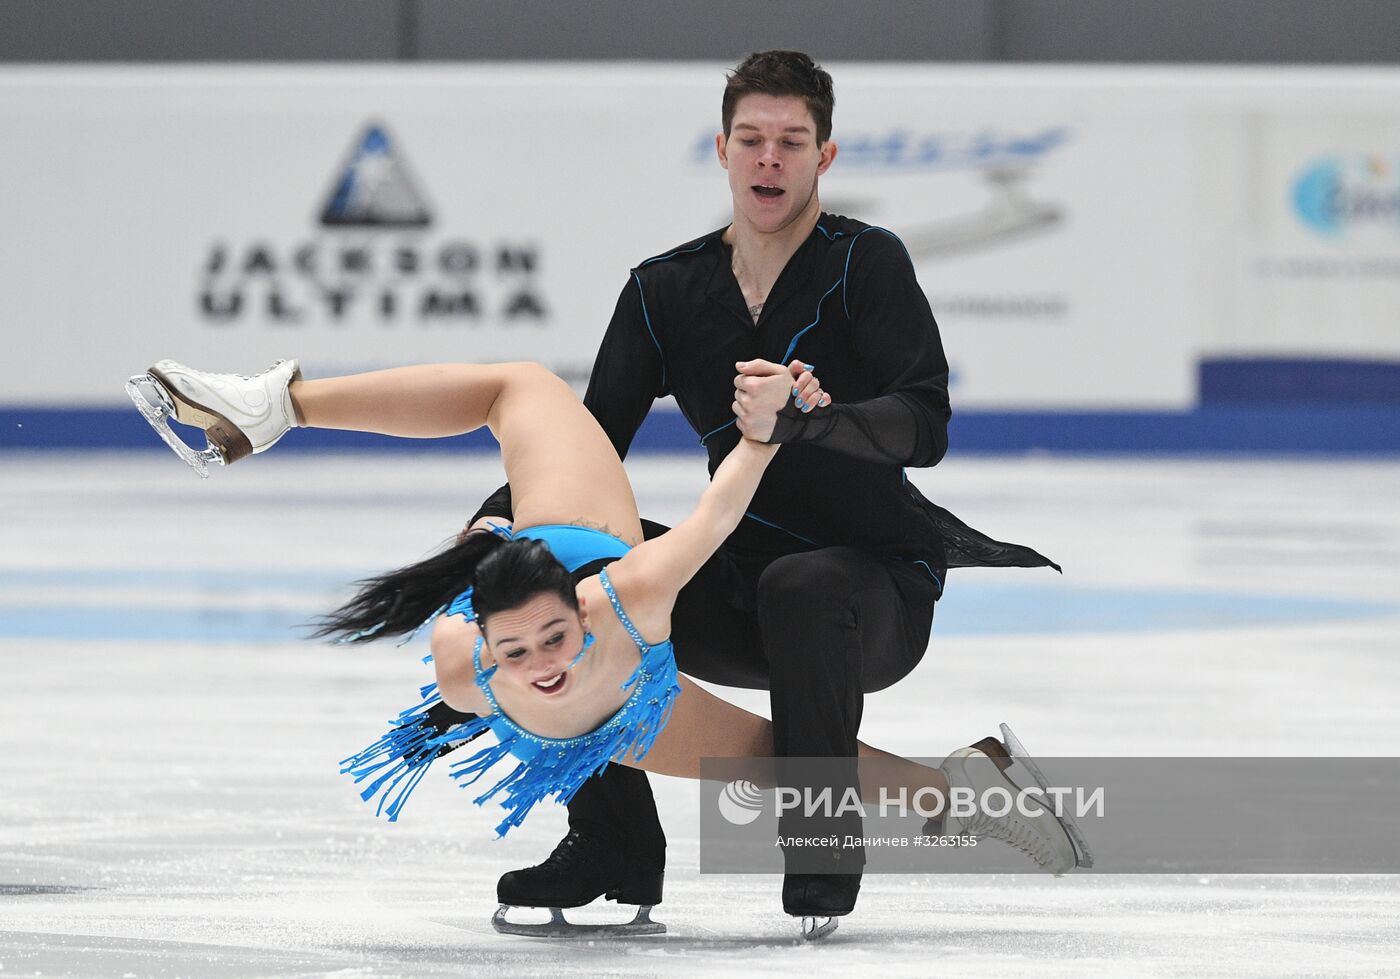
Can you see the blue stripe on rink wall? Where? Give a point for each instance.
(1043, 608)
(124, 428)
(1291, 429)
(1295, 380)
(1319, 429)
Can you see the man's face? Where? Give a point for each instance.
(773, 160)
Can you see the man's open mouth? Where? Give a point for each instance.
(553, 685)
(763, 191)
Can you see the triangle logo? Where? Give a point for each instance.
(374, 189)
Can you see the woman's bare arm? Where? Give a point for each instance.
(653, 573)
(453, 640)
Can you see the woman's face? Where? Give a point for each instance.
(540, 681)
(533, 646)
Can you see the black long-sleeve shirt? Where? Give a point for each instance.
(848, 303)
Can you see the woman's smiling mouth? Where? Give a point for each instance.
(553, 685)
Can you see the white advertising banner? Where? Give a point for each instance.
(1084, 235)
(1320, 235)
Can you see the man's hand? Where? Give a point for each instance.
(762, 389)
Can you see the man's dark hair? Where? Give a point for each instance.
(782, 73)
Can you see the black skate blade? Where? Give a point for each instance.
(1083, 856)
(559, 927)
(153, 401)
(814, 929)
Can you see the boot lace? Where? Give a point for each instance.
(574, 849)
(1014, 831)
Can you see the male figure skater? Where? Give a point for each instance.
(826, 591)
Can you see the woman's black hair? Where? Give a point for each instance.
(504, 573)
(511, 575)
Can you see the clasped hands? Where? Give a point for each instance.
(763, 388)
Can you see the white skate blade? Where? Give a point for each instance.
(814, 929)
(1083, 857)
(150, 399)
(559, 927)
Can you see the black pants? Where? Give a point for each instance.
(818, 630)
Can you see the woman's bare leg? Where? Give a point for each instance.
(561, 467)
(705, 726)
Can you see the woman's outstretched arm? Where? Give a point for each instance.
(653, 573)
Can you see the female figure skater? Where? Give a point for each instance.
(555, 634)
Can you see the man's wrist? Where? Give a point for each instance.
(788, 424)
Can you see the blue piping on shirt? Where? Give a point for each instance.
(720, 429)
(843, 282)
(665, 387)
(845, 288)
(769, 523)
(807, 540)
(936, 580)
(793, 344)
(678, 251)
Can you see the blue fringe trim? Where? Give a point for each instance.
(397, 762)
(558, 767)
(393, 766)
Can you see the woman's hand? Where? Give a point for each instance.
(807, 391)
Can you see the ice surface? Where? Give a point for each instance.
(170, 801)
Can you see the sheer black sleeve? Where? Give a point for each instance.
(892, 429)
(900, 349)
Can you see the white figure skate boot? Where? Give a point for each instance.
(239, 415)
(1054, 842)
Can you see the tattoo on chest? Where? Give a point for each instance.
(756, 310)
